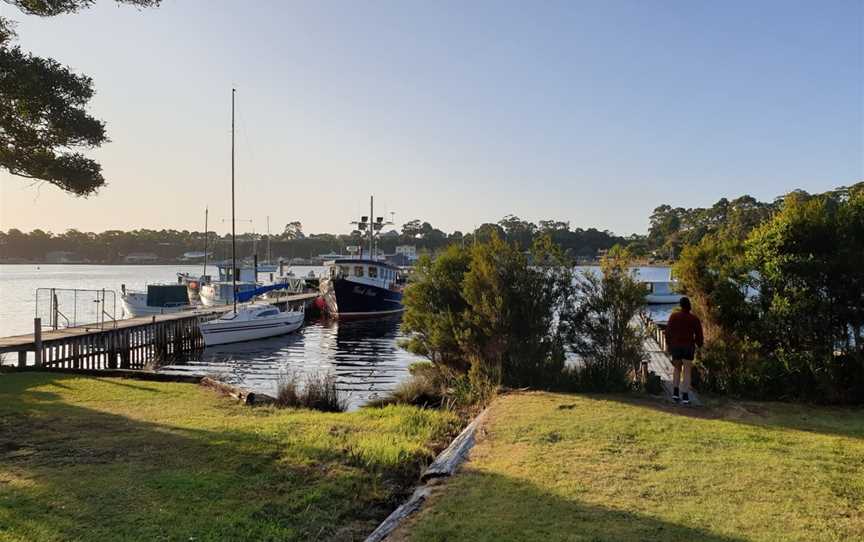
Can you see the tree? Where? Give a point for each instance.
(42, 109)
(412, 228)
(602, 329)
(293, 230)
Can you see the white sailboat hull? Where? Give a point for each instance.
(226, 331)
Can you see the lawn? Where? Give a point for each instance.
(589, 468)
(113, 459)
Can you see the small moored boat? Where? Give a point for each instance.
(249, 323)
(158, 299)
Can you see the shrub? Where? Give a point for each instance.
(317, 392)
(603, 329)
(486, 316)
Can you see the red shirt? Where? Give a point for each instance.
(683, 330)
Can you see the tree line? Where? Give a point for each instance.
(170, 245)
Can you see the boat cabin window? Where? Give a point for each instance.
(358, 270)
(271, 312)
(344, 271)
(373, 272)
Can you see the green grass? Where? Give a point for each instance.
(113, 459)
(556, 467)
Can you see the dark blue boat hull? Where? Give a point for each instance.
(354, 299)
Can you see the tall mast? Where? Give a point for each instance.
(233, 236)
(206, 210)
(268, 240)
(371, 227)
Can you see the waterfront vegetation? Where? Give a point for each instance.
(779, 287)
(561, 467)
(113, 459)
(490, 316)
(783, 301)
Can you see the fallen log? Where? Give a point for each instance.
(244, 396)
(449, 460)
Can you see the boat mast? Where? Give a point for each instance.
(371, 227)
(268, 240)
(206, 210)
(233, 236)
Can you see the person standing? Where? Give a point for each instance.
(683, 335)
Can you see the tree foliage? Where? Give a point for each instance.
(603, 329)
(43, 116)
(784, 306)
(485, 312)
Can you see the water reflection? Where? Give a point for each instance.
(364, 355)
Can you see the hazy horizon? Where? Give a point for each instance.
(456, 114)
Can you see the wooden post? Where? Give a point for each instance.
(22, 359)
(644, 374)
(37, 340)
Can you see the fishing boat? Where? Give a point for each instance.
(254, 320)
(362, 287)
(661, 292)
(156, 299)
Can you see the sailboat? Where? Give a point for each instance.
(254, 320)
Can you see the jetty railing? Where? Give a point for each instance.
(60, 308)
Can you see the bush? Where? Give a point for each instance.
(425, 388)
(318, 392)
(603, 329)
(486, 316)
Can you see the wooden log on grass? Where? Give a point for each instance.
(449, 460)
(244, 396)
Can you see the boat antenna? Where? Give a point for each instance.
(233, 236)
(206, 211)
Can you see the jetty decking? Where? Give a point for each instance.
(123, 344)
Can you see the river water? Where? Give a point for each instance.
(364, 355)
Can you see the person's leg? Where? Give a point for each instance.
(676, 377)
(688, 371)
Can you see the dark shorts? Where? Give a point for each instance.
(682, 352)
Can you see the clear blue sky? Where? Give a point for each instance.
(454, 112)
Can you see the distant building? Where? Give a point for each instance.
(409, 251)
(60, 256)
(141, 257)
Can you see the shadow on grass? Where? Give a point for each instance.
(482, 506)
(69, 472)
(824, 420)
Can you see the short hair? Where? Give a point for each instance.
(685, 303)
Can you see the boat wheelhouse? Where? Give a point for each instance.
(362, 287)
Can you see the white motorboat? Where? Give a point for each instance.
(249, 323)
(158, 299)
(661, 292)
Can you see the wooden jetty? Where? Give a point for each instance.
(124, 344)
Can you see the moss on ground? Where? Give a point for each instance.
(113, 459)
(555, 467)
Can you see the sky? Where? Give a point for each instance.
(456, 113)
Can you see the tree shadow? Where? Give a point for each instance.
(483, 506)
(818, 419)
(68, 472)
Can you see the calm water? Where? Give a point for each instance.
(363, 354)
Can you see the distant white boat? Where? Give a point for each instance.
(661, 292)
(158, 299)
(250, 322)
